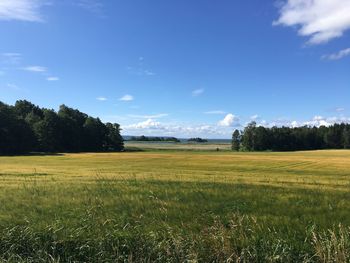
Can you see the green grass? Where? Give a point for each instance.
(176, 206)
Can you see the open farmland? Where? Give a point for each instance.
(176, 206)
(183, 146)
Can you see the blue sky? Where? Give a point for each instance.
(181, 68)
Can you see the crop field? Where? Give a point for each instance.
(176, 206)
(183, 146)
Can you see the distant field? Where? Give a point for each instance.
(210, 146)
(176, 206)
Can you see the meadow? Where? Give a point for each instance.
(175, 205)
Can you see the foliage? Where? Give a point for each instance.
(25, 127)
(259, 138)
(143, 138)
(199, 140)
(236, 140)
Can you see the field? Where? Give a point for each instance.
(176, 206)
(183, 146)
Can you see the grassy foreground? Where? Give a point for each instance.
(172, 206)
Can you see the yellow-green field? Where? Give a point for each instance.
(176, 206)
(188, 146)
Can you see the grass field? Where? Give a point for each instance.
(183, 146)
(176, 206)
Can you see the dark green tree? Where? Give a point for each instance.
(236, 140)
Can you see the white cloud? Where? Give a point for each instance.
(52, 78)
(154, 116)
(339, 109)
(215, 112)
(230, 120)
(339, 55)
(326, 121)
(148, 124)
(197, 92)
(221, 130)
(127, 97)
(320, 20)
(101, 98)
(35, 69)
(155, 128)
(25, 10)
(316, 121)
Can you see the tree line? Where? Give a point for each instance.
(26, 127)
(259, 138)
(143, 138)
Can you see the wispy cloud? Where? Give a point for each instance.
(12, 86)
(219, 112)
(127, 97)
(11, 58)
(38, 69)
(52, 78)
(197, 92)
(320, 20)
(255, 117)
(24, 10)
(94, 6)
(339, 55)
(230, 120)
(101, 98)
(141, 69)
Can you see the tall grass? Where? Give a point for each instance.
(176, 207)
(242, 239)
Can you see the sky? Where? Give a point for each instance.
(184, 68)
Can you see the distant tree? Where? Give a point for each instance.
(261, 141)
(15, 134)
(48, 132)
(73, 136)
(143, 138)
(346, 137)
(199, 140)
(114, 141)
(260, 138)
(236, 140)
(248, 137)
(95, 133)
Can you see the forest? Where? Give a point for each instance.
(26, 127)
(259, 138)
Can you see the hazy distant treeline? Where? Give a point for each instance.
(257, 138)
(26, 127)
(143, 138)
